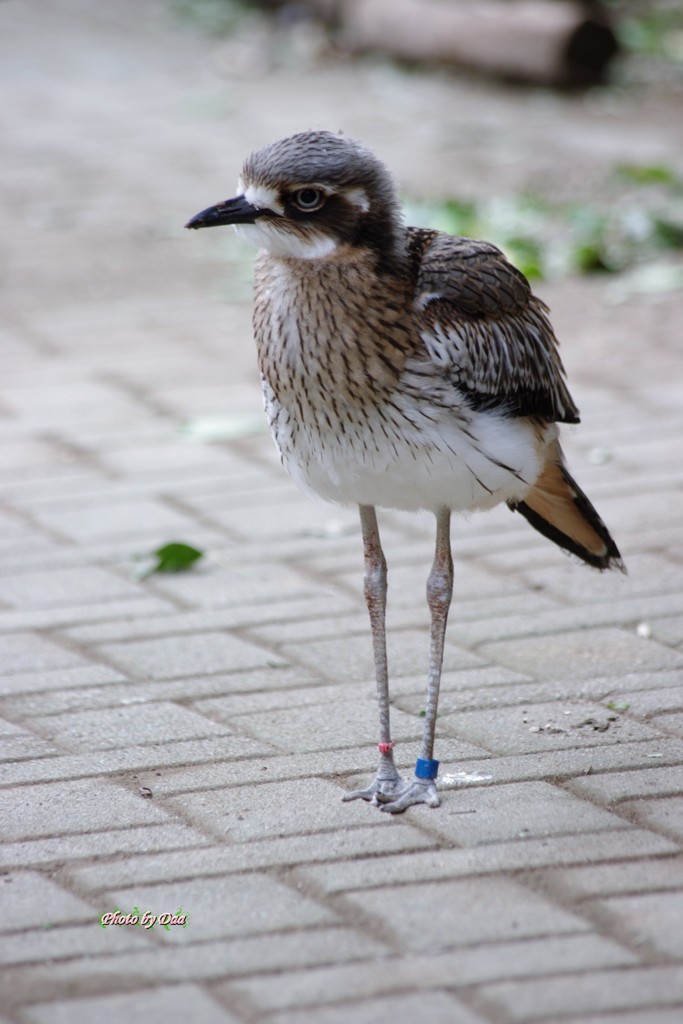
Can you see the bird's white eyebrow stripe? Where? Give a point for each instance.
(359, 197)
(263, 198)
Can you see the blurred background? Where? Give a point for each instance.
(552, 128)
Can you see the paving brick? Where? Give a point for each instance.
(649, 703)
(647, 574)
(455, 757)
(204, 690)
(218, 959)
(459, 692)
(84, 674)
(17, 743)
(31, 456)
(173, 1004)
(165, 620)
(649, 1016)
(635, 876)
(436, 1007)
(526, 604)
(665, 814)
(524, 809)
(465, 966)
(24, 746)
(127, 759)
(218, 773)
(649, 919)
(156, 460)
(283, 697)
(637, 512)
(236, 583)
(297, 517)
(587, 616)
(184, 655)
(668, 630)
(74, 586)
(88, 522)
(319, 628)
(314, 727)
(471, 684)
(15, 533)
(551, 726)
(31, 653)
(639, 681)
(56, 941)
(79, 806)
(350, 658)
(272, 809)
(77, 401)
(433, 916)
(495, 686)
(581, 655)
(31, 900)
(344, 843)
(671, 722)
(61, 615)
(76, 846)
(110, 728)
(26, 488)
(587, 993)
(225, 906)
(615, 786)
(522, 854)
(407, 583)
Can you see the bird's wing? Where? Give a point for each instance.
(483, 327)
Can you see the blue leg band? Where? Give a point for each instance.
(426, 769)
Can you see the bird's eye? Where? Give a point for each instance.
(309, 199)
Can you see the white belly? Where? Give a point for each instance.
(424, 451)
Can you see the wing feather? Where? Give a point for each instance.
(481, 324)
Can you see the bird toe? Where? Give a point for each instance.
(417, 792)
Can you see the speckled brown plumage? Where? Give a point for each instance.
(404, 368)
(499, 345)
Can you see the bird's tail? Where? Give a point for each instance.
(557, 507)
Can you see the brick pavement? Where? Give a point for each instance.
(181, 743)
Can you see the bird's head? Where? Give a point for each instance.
(312, 196)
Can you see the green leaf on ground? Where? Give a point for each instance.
(173, 557)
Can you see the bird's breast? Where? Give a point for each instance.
(358, 410)
(329, 332)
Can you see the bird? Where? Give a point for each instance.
(401, 368)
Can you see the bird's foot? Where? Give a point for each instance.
(379, 792)
(421, 791)
(386, 787)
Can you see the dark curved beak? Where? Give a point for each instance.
(232, 211)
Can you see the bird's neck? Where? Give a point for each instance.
(386, 238)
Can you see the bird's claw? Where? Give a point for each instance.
(420, 791)
(385, 788)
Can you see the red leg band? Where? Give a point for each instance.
(385, 748)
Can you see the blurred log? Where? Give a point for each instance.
(551, 42)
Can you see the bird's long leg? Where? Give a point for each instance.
(439, 593)
(388, 784)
